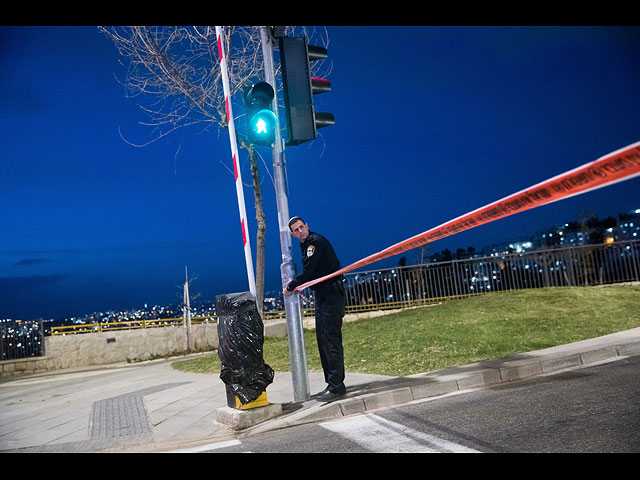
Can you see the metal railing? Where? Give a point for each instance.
(568, 266)
(127, 325)
(21, 339)
(403, 287)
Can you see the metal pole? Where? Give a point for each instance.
(236, 163)
(187, 311)
(293, 312)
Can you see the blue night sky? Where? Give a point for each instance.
(431, 123)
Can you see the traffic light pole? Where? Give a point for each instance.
(293, 311)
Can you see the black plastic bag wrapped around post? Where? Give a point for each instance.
(241, 339)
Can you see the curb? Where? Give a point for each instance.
(402, 390)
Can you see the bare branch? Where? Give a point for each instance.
(175, 73)
(175, 70)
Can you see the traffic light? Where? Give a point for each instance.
(299, 88)
(261, 121)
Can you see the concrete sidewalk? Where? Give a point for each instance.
(150, 407)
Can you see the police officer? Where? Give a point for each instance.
(319, 259)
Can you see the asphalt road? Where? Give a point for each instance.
(585, 410)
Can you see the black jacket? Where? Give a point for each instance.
(318, 259)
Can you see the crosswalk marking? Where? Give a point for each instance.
(380, 435)
(207, 447)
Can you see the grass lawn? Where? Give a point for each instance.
(465, 331)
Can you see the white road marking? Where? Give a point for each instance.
(207, 447)
(380, 435)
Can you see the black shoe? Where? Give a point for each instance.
(323, 391)
(328, 395)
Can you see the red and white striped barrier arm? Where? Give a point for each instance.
(615, 167)
(236, 165)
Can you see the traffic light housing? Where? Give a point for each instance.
(299, 87)
(261, 121)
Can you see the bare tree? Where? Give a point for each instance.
(175, 71)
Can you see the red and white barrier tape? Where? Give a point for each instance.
(236, 166)
(615, 167)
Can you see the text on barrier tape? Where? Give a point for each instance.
(615, 167)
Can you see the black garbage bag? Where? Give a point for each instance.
(241, 339)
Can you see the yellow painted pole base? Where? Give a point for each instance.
(261, 401)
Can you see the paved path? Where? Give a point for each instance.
(150, 407)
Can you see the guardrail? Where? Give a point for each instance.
(415, 285)
(614, 262)
(179, 322)
(153, 323)
(21, 340)
(127, 325)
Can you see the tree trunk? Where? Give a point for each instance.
(260, 234)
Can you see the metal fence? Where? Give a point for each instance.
(21, 340)
(408, 286)
(568, 266)
(100, 327)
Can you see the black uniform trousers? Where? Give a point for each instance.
(330, 304)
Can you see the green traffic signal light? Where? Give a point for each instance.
(262, 127)
(261, 120)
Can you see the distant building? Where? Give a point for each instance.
(574, 234)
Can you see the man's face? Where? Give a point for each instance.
(300, 230)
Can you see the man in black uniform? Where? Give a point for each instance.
(319, 259)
